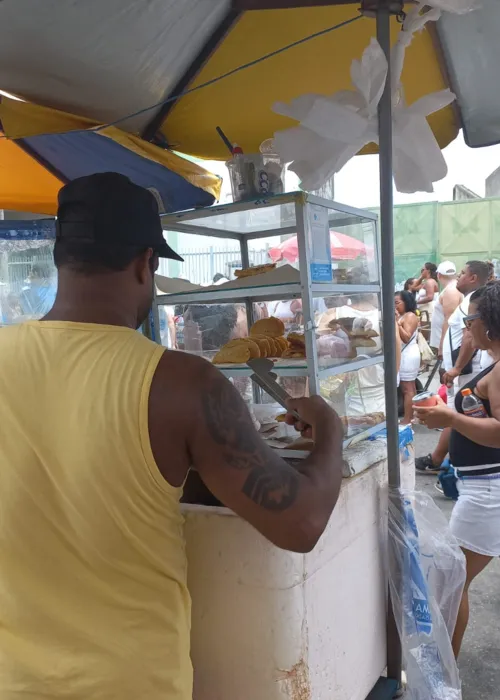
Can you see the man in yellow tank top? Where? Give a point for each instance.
(99, 427)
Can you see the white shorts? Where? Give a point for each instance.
(475, 520)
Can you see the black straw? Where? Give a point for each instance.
(223, 136)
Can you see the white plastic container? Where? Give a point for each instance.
(255, 174)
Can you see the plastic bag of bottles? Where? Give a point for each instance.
(426, 579)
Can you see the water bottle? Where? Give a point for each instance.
(239, 176)
(472, 406)
(271, 177)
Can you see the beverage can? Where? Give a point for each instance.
(426, 399)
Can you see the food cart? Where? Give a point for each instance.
(269, 623)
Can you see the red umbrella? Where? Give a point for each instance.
(343, 248)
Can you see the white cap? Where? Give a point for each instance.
(447, 268)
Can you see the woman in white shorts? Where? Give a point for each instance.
(475, 450)
(407, 319)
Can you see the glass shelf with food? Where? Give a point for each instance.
(305, 294)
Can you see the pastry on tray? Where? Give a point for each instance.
(346, 322)
(368, 333)
(232, 354)
(256, 270)
(266, 340)
(297, 339)
(297, 347)
(282, 342)
(252, 346)
(294, 354)
(264, 345)
(362, 342)
(272, 326)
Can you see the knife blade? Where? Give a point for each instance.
(266, 379)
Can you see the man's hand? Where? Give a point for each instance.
(315, 414)
(450, 376)
(439, 416)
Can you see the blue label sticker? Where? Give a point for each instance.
(321, 272)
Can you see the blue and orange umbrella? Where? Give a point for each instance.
(42, 148)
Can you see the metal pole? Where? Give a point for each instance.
(387, 252)
(245, 262)
(394, 653)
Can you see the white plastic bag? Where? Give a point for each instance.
(426, 579)
(426, 354)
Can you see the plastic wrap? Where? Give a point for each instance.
(335, 128)
(28, 280)
(426, 578)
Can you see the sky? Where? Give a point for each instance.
(358, 183)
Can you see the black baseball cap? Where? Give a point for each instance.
(110, 208)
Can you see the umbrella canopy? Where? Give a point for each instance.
(46, 148)
(106, 59)
(343, 247)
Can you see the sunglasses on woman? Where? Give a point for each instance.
(468, 319)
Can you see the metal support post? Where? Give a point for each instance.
(383, 17)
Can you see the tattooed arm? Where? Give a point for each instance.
(289, 507)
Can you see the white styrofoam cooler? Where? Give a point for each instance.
(274, 625)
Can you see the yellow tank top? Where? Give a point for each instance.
(93, 596)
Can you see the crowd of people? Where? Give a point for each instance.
(429, 313)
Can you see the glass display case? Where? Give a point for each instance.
(319, 277)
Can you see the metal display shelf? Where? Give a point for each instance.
(348, 442)
(314, 221)
(302, 369)
(257, 292)
(208, 224)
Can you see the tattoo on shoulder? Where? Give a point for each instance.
(270, 483)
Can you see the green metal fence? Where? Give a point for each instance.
(434, 231)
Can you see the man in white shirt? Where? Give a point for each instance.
(474, 275)
(445, 305)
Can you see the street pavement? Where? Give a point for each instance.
(479, 661)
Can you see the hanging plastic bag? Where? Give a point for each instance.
(426, 579)
(426, 354)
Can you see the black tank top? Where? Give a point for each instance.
(465, 452)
